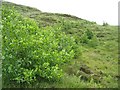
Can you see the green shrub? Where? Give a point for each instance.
(89, 39)
(89, 34)
(32, 53)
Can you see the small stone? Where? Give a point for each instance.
(86, 69)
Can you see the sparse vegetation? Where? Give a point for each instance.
(46, 50)
(105, 24)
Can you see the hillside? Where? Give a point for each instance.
(95, 61)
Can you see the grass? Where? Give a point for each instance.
(101, 60)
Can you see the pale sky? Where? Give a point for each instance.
(93, 10)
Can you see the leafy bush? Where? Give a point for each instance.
(32, 53)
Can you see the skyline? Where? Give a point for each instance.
(98, 11)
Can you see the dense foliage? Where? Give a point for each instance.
(31, 52)
(43, 47)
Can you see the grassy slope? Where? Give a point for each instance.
(101, 60)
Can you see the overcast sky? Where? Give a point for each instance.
(93, 10)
